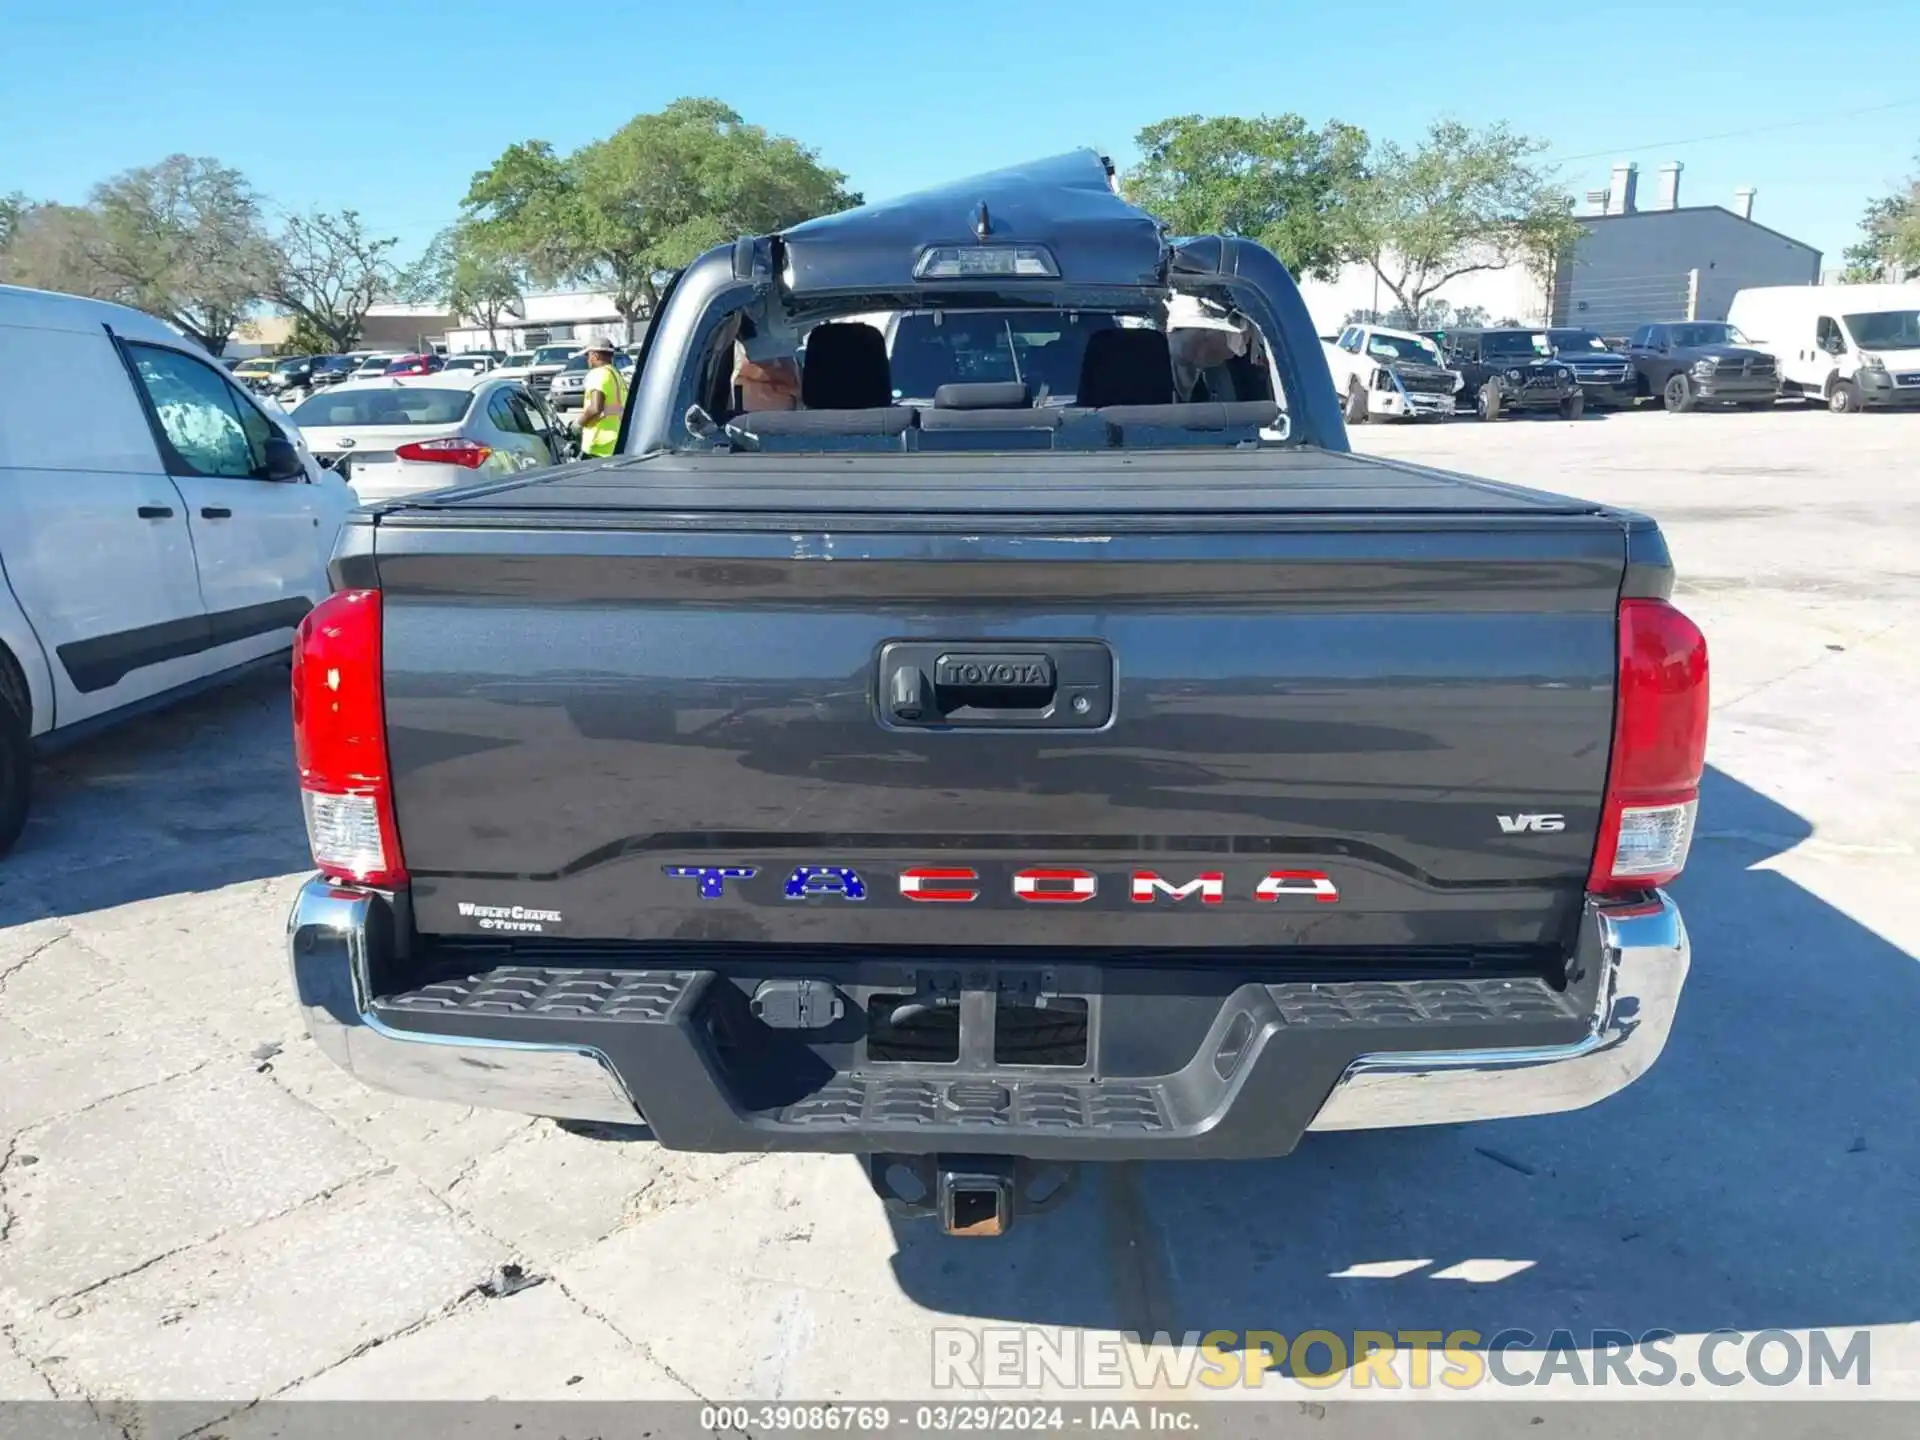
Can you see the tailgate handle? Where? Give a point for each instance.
(993, 682)
(1068, 685)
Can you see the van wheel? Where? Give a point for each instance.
(1487, 404)
(1678, 397)
(16, 754)
(1844, 398)
(1356, 403)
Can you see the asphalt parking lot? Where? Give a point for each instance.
(195, 1204)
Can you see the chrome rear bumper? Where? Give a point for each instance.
(1642, 948)
(328, 938)
(1647, 954)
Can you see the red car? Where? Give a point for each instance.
(416, 365)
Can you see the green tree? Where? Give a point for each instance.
(620, 212)
(1889, 243)
(1460, 201)
(425, 280)
(464, 269)
(328, 272)
(1274, 179)
(55, 247)
(13, 209)
(1434, 315)
(183, 240)
(483, 285)
(306, 339)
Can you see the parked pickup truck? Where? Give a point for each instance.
(1702, 362)
(1390, 373)
(1606, 375)
(982, 787)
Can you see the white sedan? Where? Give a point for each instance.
(401, 436)
(372, 366)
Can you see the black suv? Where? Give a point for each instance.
(1512, 370)
(1702, 362)
(1606, 376)
(332, 369)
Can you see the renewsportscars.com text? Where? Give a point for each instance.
(1022, 1358)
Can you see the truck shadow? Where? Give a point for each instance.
(193, 797)
(1760, 1175)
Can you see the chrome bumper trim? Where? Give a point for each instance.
(327, 948)
(1644, 948)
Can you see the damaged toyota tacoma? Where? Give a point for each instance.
(1080, 757)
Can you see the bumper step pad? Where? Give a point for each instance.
(1021, 1104)
(526, 990)
(1190, 1056)
(1254, 1084)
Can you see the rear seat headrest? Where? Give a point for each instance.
(983, 395)
(1126, 367)
(845, 368)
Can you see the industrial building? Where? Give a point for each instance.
(1668, 261)
(546, 318)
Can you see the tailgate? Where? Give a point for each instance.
(1383, 733)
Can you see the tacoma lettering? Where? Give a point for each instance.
(1033, 884)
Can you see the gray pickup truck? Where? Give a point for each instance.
(1094, 761)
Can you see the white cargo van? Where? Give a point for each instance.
(159, 529)
(1851, 346)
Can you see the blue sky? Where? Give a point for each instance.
(415, 95)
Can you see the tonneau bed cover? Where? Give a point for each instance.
(1297, 481)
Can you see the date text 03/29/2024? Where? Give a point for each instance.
(980, 1418)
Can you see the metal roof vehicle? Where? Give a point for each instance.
(161, 529)
(406, 435)
(983, 786)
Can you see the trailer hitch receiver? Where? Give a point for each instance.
(970, 1195)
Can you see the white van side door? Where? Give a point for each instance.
(94, 534)
(1831, 353)
(259, 542)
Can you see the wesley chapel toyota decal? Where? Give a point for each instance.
(1036, 885)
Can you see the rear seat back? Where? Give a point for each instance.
(986, 405)
(1201, 415)
(845, 368)
(1137, 424)
(1027, 419)
(1125, 367)
(873, 420)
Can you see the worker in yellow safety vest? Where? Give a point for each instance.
(604, 403)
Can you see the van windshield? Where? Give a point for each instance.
(1885, 330)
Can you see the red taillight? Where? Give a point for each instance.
(340, 741)
(1659, 749)
(468, 454)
